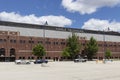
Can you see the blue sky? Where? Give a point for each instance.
(87, 14)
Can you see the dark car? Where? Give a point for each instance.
(40, 61)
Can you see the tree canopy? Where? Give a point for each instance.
(91, 48)
(108, 53)
(39, 50)
(72, 47)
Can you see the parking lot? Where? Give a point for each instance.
(61, 71)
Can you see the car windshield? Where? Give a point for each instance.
(38, 60)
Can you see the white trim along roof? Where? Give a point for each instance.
(57, 32)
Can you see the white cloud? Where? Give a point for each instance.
(97, 24)
(88, 6)
(32, 19)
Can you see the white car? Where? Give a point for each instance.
(22, 62)
(80, 60)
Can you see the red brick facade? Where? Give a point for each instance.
(13, 46)
(21, 46)
(16, 45)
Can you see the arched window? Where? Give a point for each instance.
(2, 52)
(12, 52)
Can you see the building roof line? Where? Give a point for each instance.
(56, 28)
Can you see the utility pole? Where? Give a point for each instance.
(46, 23)
(103, 44)
(104, 41)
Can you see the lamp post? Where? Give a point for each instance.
(103, 44)
(44, 41)
(104, 48)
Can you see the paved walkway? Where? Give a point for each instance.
(61, 71)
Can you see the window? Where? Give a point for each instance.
(29, 41)
(1, 40)
(32, 57)
(62, 43)
(54, 43)
(32, 41)
(49, 57)
(22, 41)
(38, 58)
(40, 42)
(2, 51)
(115, 45)
(20, 57)
(4, 40)
(83, 44)
(47, 42)
(28, 57)
(57, 43)
(23, 57)
(12, 52)
(12, 41)
(46, 57)
(99, 44)
(110, 45)
(105, 45)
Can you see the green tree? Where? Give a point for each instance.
(108, 54)
(65, 52)
(72, 47)
(91, 48)
(39, 50)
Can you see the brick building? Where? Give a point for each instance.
(18, 39)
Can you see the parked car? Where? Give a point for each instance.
(22, 61)
(40, 61)
(80, 60)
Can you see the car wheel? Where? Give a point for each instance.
(18, 63)
(27, 63)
